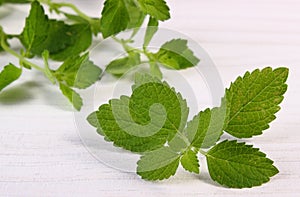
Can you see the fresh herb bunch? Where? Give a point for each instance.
(68, 43)
(153, 122)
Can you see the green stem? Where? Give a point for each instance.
(124, 44)
(202, 152)
(47, 69)
(55, 7)
(76, 10)
(148, 54)
(23, 60)
(17, 55)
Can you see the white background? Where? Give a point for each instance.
(41, 153)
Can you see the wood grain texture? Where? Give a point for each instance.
(41, 153)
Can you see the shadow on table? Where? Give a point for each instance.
(18, 94)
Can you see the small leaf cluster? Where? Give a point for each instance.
(153, 122)
(56, 40)
(67, 41)
(126, 14)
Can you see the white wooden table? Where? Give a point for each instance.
(41, 153)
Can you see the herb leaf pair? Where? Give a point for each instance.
(76, 72)
(153, 122)
(174, 54)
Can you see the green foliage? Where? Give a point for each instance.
(155, 8)
(153, 123)
(252, 101)
(14, 1)
(73, 96)
(175, 54)
(190, 162)
(152, 28)
(115, 17)
(66, 40)
(206, 128)
(129, 124)
(120, 66)
(136, 15)
(78, 72)
(239, 165)
(61, 40)
(158, 164)
(9, 74)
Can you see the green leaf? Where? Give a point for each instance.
(73, 96)
(152, 28)
(109, 127)
(175, 54)
(36, 28)
(78, 72)
(94, 23)
(120, 66)
(145, 121)
(80, 36)
(115, 17)
(136, 16)
(206, 128)
(9, 74)
(190, 162)
(60, 39)
(14, 1)
(93, 120)
(141, 78)
(156, 8)
(252, 101)
(158, 164)
(237, 165)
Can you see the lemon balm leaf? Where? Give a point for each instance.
(136, 15)
(190, 162)
(79, 36)
(129, 123)
(176, 54)
(155, 8)
(72, 96)
(253, 100)
(146, 120)
(158, 164)
(152, 28)
(78, 72)
(36, 28)
(237, 165)
(115, 17)
(9, 74)
(120, 66)
(205, 129)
